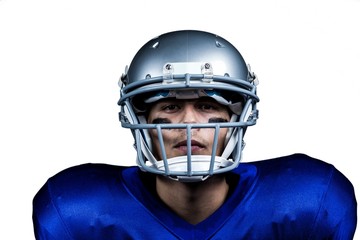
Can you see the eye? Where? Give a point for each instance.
(170, 107)
(207, 106)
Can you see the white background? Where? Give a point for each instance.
(60, 62)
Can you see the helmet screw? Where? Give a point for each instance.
(168, 66)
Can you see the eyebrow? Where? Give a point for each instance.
(166, 120)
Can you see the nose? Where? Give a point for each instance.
(189, 114)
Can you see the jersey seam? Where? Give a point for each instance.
(322, 203)
(58, 211)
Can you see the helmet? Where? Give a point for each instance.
(188, 64)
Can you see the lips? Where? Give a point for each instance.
(195, 146)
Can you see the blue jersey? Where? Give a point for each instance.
(292, 197)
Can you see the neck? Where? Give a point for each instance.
(195, 201)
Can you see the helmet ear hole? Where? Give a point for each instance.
(139, 104)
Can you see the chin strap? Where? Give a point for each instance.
(231, 139)
(178, 167)
(145, 142)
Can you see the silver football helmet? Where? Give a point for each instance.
(188, 64)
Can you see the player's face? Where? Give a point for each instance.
(201, 110)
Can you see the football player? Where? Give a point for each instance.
(188, 98)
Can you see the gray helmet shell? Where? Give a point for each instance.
(187, 46)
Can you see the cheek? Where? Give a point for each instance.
(167, 135)
(221, 140)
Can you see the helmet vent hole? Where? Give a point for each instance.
(155, 45)
(219, 44)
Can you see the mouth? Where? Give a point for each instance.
(196, 147)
